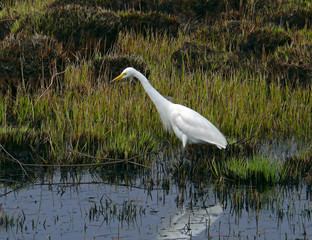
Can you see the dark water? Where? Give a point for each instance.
(81, 204)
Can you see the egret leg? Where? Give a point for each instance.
(199, 153)
(182, 158)
(184, 141)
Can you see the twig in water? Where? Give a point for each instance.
(15, 160)
(109, 161)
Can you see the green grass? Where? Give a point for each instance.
(256, 170)
(119, 120)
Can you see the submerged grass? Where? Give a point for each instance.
(103, 119)
(256, 170)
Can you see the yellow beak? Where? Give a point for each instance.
(119, 77)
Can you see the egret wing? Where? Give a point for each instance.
(196, 127)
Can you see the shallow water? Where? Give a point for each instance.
(100, 205)
(281, 149)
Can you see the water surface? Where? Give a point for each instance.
(85, 204)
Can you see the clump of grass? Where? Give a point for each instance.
(298, 167)
(193, 56)
(185, 9)
(6, 23)
(264, 39)
(291, 66)
(94, 28)
(29, 61)
(255, 170)
(23, 143)
(291, 16)
(152, 21)
(110, 66)
(225, 35)
(6, 221)
(108, 4)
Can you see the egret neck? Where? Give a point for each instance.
(157, 99)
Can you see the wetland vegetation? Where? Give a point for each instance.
(248, 73)
(244, 65)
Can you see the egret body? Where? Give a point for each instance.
(188, 125)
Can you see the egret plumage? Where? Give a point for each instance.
(188, 125)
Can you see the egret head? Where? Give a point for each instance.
(127, 73)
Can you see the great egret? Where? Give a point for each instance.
(189, 126)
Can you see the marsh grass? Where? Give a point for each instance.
(119, 120)
(7, 222)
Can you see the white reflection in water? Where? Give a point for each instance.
(189, 223)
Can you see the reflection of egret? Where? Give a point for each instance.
(189, 223)
(188, 125)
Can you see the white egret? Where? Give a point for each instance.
(189, 126)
